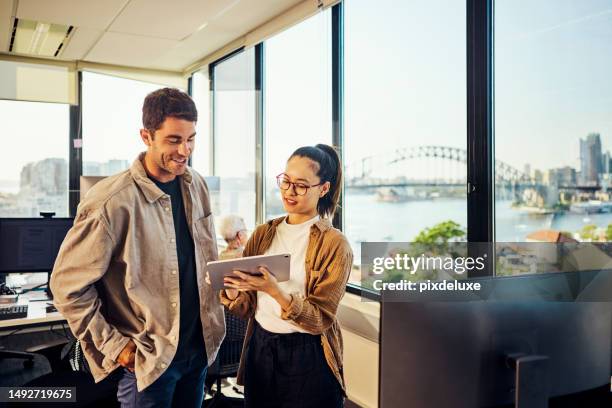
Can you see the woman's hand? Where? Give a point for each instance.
(266, 282)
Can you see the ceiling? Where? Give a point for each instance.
(154, 34)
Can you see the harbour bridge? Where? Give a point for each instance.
(365, 169)
(391, 170)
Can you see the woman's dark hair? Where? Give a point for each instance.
(330, 170)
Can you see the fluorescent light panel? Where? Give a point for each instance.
(38, 38)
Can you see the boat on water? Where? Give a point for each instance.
(391, 195)
(591, 207)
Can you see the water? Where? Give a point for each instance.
(369, 220)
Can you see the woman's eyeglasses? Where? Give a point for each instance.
(300, 188)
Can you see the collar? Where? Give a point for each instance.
(151, 192)
(323, 224)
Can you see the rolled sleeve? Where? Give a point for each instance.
(295, 307)
(243, 306)
(316, 312)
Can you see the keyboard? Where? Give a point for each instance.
(13, 312)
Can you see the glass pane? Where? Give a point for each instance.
(405, 116)
(234, 133)
(553, 127)
(297, 97)
(34, 170)
(200, 90)
(112, 119)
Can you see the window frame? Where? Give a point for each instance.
(259, 112)
(479, 133)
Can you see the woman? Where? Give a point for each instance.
(292, 353)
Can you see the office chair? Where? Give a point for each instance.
(227, 362)
(73, 371)
(28, 358)
(48, 349)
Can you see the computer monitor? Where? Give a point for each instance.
(458, 354)
(86, 183)
(31, 244)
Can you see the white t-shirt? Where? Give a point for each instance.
(289, 239)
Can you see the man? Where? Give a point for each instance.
(130, 276)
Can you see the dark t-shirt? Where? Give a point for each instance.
(191, 340)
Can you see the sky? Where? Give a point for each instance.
(553, 79)
(405, 86)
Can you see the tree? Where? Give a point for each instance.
(589, 232)
(441, 233)
(609, 233)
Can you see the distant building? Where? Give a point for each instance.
(591, 159)
(113, 167)
(538, 176)
(606, 163)
(91, 168)
(43, 186)
(546, 252)
(527, 170)
(549, 236)
(564, 176)
(45, 177)
(108, 168)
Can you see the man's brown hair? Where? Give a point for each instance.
(164, 103)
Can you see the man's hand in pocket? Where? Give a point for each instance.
(127, 356)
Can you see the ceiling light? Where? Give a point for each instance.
(37, 38)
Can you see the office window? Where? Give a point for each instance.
(297, 97)
(553, 127)
(202, 154)
(112, 119)
(405, 119)
(34, 168)
(234, 98)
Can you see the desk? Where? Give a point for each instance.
(28, 342)
(37, 314)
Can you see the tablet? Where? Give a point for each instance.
(278, 265)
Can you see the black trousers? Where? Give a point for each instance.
(288, 370)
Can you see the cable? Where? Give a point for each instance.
(32, 288)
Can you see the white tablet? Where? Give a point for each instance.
(278, 265)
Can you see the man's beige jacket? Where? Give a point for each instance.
(116, 274)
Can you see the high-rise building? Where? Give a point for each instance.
(590, 159)
(107, 168)
(45, 177)
(563, 176)
(91, 168)
(606, 163)
(538, 176)
(113, 166)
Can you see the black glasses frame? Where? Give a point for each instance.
(281, 178)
